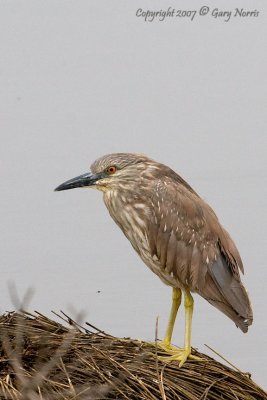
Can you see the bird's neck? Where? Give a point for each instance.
(123, 204)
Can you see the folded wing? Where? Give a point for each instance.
(192, 246)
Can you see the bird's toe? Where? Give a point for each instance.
(181, 355)
(167, 347)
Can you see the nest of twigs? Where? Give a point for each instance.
(43, 359)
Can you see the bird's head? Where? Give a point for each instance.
(111, 171)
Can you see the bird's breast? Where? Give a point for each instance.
(133, 218)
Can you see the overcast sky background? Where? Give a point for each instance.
(80, 79)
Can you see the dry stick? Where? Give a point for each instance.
(68, 377)
(160, 376)
(218, 354)
(72, 322)
(69, 320)
(51, 323)
(80, 326)
(60, 316)
(99, 330)
(162, 390)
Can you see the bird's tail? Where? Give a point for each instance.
(226, 292)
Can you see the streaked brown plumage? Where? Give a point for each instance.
(174, 231)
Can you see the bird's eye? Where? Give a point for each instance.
(111, 170)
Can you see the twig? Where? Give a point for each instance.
(223, 358)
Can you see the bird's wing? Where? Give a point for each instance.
(192, 246)
(186, 235)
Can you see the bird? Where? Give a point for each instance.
(177, 235)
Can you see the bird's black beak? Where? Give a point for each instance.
(87, 179)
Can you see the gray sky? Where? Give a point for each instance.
(83, 78)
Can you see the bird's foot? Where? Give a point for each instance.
(167, 347)
(175, 353)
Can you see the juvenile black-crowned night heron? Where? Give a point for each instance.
(176, 234)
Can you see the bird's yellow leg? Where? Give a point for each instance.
(189, 307)
(181, 354)
(165, 344)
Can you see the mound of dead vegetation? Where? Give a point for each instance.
(46, 360)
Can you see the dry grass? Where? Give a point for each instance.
(45, 360)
